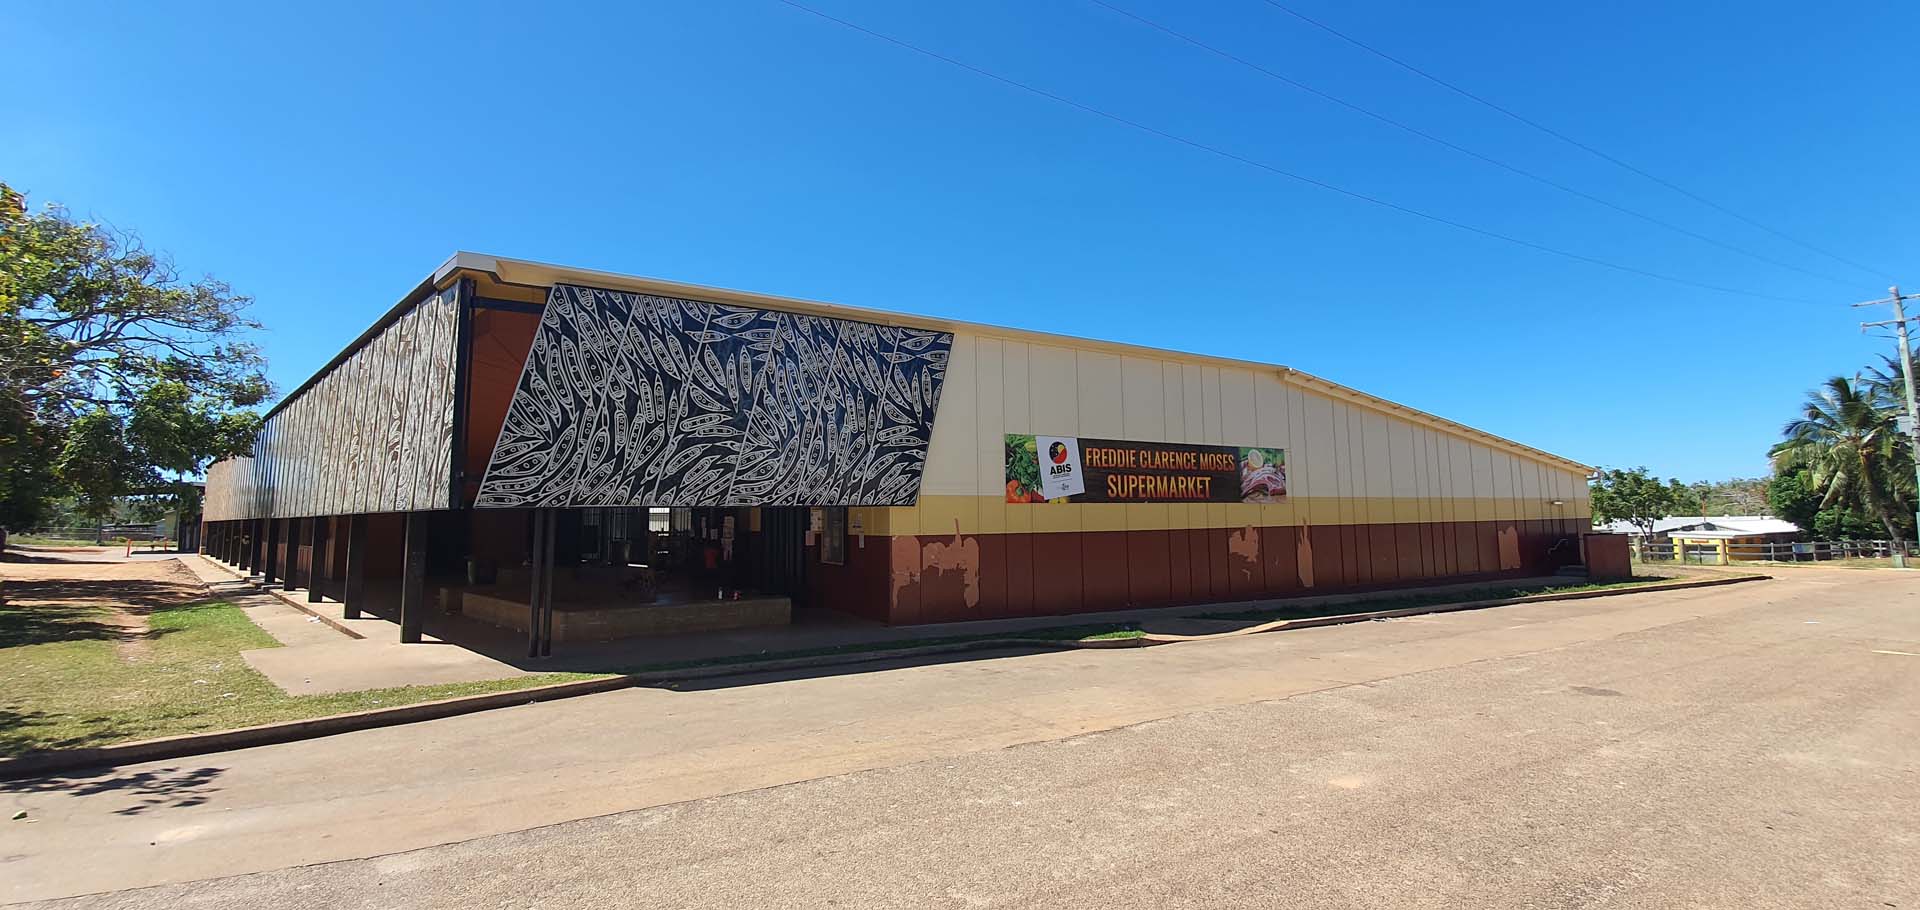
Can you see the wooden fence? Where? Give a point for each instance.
(1716, 552)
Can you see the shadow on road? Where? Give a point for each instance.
(149, 791)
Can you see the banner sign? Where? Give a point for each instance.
(1072, 469)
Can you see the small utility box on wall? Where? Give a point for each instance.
(1606, 556)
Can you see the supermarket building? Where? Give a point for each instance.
(584, 455)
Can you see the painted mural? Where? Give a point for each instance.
(635, 399)
(375, 434)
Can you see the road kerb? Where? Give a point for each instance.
(41, 763)
(1279, 625)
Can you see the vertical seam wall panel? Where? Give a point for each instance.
(365, 437)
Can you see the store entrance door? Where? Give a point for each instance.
(782, 556)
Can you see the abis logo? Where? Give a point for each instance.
(1062, 468)
(1058, 458)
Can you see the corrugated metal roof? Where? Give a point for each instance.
(520, 271)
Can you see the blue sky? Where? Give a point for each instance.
(324, 164)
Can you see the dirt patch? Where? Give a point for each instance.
(55, 600)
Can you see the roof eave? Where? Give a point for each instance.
(529, 272)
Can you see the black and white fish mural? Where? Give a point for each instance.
(637, 400)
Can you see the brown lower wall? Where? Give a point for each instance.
(920, 579)
(860, 586)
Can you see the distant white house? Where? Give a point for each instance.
(1740, 528)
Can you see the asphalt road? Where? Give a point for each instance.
(1750, 746)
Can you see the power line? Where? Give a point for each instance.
(1564, 137)
(1250, 162)
(1514, 169)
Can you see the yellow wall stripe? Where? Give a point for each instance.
(992, 515)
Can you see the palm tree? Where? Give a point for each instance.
(1886, 383)
(1847, 441)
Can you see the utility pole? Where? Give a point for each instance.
(1899, 322)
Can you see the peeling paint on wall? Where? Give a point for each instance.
(958, 575)
(1303, 555)
(1243, 551)
(959, 559)
(1509, 548)
(904, 575)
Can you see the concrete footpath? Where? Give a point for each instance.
(324, 652)
(288, 626)
(402, 788)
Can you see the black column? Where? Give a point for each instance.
(537, 563)
(546, 585)
(256, 544)
(319, 564)
(292, 574)
(413, 579)
(270, 564)
(353, 588)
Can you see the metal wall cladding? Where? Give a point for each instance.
(229, 490)
(375, 434)
(632, 399)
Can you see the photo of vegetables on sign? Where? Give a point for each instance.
(1023, 470)
(1072, 469)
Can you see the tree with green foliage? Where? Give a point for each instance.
(1790, 497)
(1737, 496)
(1638, 498)
(27, 452)
(1684, 499)
(1850, 453)
(117, 377)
